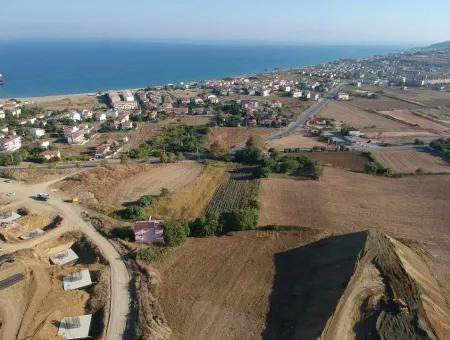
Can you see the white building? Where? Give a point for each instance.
(38, 133)
(297, 94)
(66, 257)
(75, 116)
(77, 280)
(342, 96)
(76, 327)
(127, 96)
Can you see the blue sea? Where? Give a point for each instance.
(52, 67)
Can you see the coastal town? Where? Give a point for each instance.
(115, 205)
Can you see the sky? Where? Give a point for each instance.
(414, 22)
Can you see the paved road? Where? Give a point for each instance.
(303, 118)
(120, 298)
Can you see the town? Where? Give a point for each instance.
(188, 208)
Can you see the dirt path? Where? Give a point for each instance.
(120, 298)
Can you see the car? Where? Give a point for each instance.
(42, 196)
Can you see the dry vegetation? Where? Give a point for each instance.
(383, 103)
(409, 161)
(39, 175)
(190, 202)
(294, 140)
(106, 188)
(61, 103)
(348, 201)
(237, 136)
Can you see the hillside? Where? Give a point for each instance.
(391, 295)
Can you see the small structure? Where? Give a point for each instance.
(151, 231)
(8, 217)
(32, 234)
(77, 280)
(75, 327)
(66, 257)
(50, 154)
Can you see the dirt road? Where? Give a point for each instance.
(120, 298)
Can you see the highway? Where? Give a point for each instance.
(119, 293)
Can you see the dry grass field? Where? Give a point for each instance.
(191, 201)
(227, 286)
(410, 118)
(408, 161)
(360, 119)
(106, 188)
(343, 201)
(61, 103)
(294, 140)
(353, 161)
(237, 136)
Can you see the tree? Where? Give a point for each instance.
(176, 232)
(219, 149)
(146, 200)
(124, 233)
(205, 226)
(133, 212)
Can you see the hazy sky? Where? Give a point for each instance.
(325, 21)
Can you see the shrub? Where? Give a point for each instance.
(23, 211)
(176, 232)
(133, 212)
(205, 226)
(149, 255)
(146, 200)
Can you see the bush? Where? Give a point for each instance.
(124, 233)
(205, 226)
(23, 211)
(146, 200)
(176, 232)
(133, 212)
(149, 255)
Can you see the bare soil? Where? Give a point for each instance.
(224, 284)
(353, 161)
(343, 201)
(358, 118)
(410, 118)
(34, 307)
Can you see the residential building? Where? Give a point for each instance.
(102, 150)
(10, 143)
(37, 133)
(51, 154)
(149, 232)
(75, 138)
(100, 116)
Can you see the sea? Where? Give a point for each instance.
(34, 68)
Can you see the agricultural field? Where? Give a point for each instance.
(227, 287)
(191, 201)
(441, 115)
(237, 136)
(382, 103)
(352, 161)
(295, 140)
(408, 161)
(412, 119)
(423, 96)
(343, 201)
(361, 119)
(234, 193)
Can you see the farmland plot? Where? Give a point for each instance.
(408, 161)
(233, 194)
